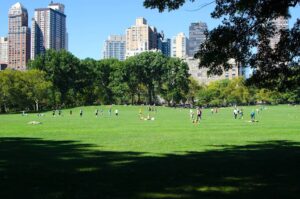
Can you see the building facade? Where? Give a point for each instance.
(180, 46)
(164, 44)
(196, 37)
(48, 29)
(3, 50)
(18, 37)
(200, 74)
(115, 47)
(166, 47)
(140, 38)
(280, 24)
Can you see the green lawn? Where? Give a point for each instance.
(170, 157)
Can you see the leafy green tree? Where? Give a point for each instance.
(175, 80)
(132, 77)
(61, 68)
(103, 72)
(37, 88)
(20, 90)
(152, 69)
(237, 92)
(194, 89)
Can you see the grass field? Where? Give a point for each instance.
(125, 157)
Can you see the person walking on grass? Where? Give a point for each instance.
(192, 114)
(235, 113)
(96, 112)
(252, 115)
(109, 111)
(199, 115)
(241, 114)
(117, 112)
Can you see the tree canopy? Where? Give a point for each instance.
(244, 35)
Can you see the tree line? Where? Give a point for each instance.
(238, 91)
(58, 79)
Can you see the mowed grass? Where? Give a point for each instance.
(70, 156)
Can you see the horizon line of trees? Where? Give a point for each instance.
(58, 79)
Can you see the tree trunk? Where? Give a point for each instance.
(37, 105)
(149, 96)
(139, 98)
(132, 99)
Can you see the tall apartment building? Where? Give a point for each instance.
(3, 50)
(18, 37)
(140, 38)
(115, 47)
(280, 23)
(180, 46)
(48, 29)
(196, 37)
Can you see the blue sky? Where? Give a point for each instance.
(90, 22)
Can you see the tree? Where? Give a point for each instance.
(244, 35)
(37, 88)
(21, 89)
(132, 78)
(152, 68)
(103, 72)
(175, 80)
(61, 68)
(194, 89)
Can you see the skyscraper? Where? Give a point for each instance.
(197, 37)
(140, 38)
(115, 47)
(48, 29)
(179, 46)
(280, 24)
(18, 37)
(164, 44)
(166, 47)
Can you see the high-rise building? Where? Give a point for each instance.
(115, 47)
(197, 37)
(140, 38)
(164, 44)
(166, 47)
(179, 46)
(280, 24)
(18, 37)
(48, 29)
(3, 50)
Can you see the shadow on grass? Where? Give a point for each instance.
(38, 169)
